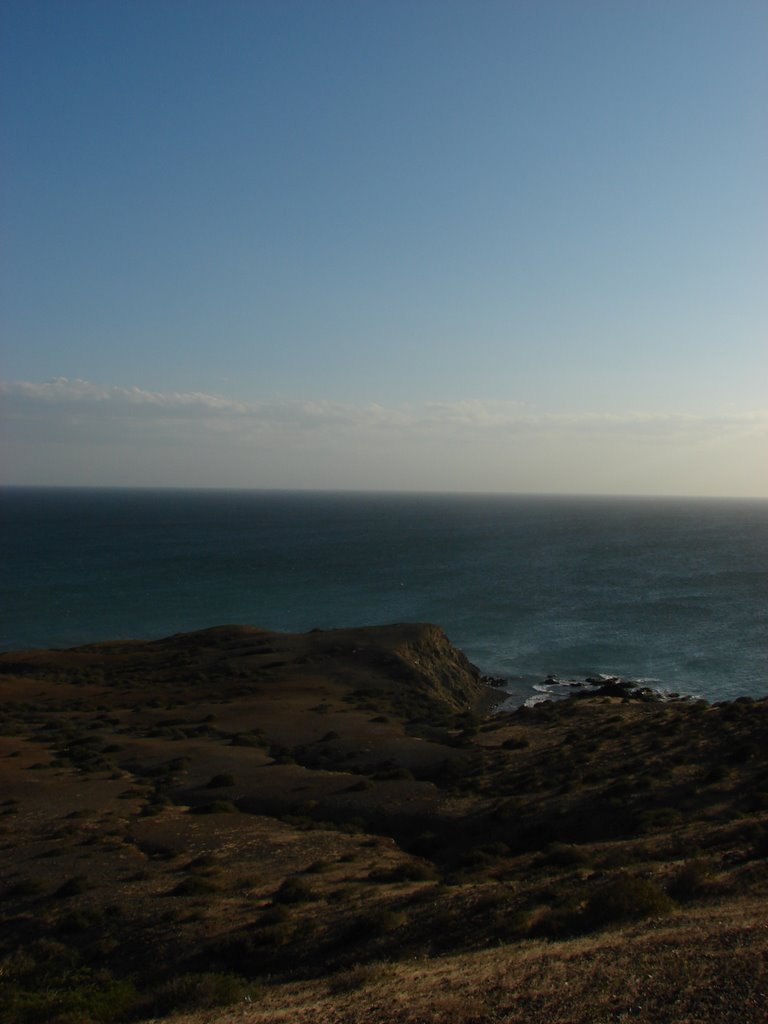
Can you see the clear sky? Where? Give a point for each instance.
(386, 244)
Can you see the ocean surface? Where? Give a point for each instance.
(671, 592)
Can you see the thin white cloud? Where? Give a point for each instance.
(73, 431)
(65, 391)
(79, 398)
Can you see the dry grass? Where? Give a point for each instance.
(321, 828)
(697, 968)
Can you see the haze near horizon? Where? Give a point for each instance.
(442, 246)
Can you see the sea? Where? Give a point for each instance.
(672, 593)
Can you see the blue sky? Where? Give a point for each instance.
(435, 244)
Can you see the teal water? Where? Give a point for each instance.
(670, 591)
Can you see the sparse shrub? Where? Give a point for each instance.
(155, 806)
(215, 807)
(360, 786)
(509, 922)
(80, 920)
(379, 922)
(195, 885)
(408, 871)
(426, 844)
(691, 880)
(278, 935)
(559, 922)
(626, 898)
(742, 752)
(318, 867)
(221, 781)
(25, 887)
(658, 818)
(205, 860)
(276, 914)
(202, 991)
(284, 756)
(760, 843)
(82, 997)
(352, 979)
(73, 886)
(294, 890)
(394, 773)
(480, 856)
(564, 855)
(248, 739)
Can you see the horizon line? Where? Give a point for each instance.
(382, 492)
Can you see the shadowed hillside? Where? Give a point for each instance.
(335, 826)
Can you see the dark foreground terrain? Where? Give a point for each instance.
(240, 825)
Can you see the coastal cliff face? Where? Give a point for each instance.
(323, 826)
(443, 670)
(413, 660)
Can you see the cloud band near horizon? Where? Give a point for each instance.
(471, 444)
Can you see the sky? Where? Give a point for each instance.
(439, 245)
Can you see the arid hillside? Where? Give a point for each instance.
(242, 825)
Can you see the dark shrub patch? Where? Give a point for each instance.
(215, 807)
(353, 978)
(361, 786)
(294, 890)
(220, 781)
(203, 991)
(691, 880)
(73, 886)
(408, 871)
(196, 885)
(626, 898)
(564, 855)
(378, 922)
(248, 739)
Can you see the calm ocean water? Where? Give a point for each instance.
(673, 591)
